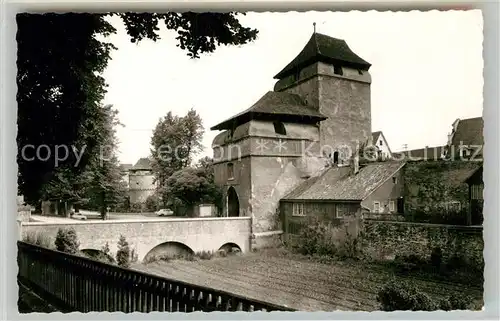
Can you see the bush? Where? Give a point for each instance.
(105, 256)
(319, 239)
(205, 255)
(123, 254)
(400, 295)
(152, 203)
(316, 239)
(67, 241)
(39, 239)
(437, 257)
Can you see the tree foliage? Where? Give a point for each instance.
(175, 141)
(106, 188)
(67, 241)
(60, 61)
(192, 186)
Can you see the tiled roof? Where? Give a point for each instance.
(433, 153)
(458, 176)
(478, 173)
(375, 136)
(142, 164)
(338, 183)
(325, 49)
(286, 106)
(469, 132)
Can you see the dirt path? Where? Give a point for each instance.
(302, 285)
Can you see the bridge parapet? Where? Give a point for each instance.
(199, 234)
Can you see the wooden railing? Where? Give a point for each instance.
(74, 283)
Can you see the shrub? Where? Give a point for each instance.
(400, 295)
(316, 238)
(205, 255)
(39, 239)
(123, 253)
(152, 203)
(105, 255)
(459, 302)
(67, 241)
(436, 257)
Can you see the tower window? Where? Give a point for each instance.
(360, 72)
(279, 128)
(380, 143)
(230, 171)
(395, 180)
(338, 70)
(336, 157)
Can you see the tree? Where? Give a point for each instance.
(189, 187)
(60, 61)
(67, 241)
(105, 189)
(174, 142)
(123, 254)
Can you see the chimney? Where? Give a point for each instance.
(355, 164)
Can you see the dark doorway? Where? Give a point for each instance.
(400, 206)
(336, 157)
(233, 204)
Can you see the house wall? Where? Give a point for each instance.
(322, 211)
(384, 148)
(388, 191)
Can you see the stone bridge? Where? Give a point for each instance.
(150, 237)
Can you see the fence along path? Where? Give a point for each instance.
(73, 283)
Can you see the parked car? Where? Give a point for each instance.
(164, 212)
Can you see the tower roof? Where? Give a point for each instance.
(275, 106)
(142, 164)
(322, 48)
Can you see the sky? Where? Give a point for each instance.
(426, 72)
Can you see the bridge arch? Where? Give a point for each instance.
(229, 247)
(233, 203)
(168, 249)
(98, 255)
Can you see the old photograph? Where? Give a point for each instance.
(275, 161)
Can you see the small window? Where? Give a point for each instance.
(339, 211)
(298, 209)
(376, 207)
(360, 71)
(380, 143)
(338, 70)
(230, 171)
(391, 206)
(395, 180)
(279, 128)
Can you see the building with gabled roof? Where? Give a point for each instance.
(466, 139)
(379, 140)
(318, 111)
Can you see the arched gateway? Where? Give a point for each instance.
(233, 204)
